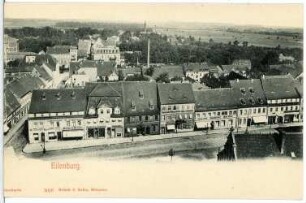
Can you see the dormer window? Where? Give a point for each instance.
(242, 90)
(43, 96)
(58, 96)
(73, 95)
(92, 111)
(252, 101)
(141, 95)
(242, 101)
(260, 100)
(133, 105)
(117, 110)
(251, 90)
(151, 105)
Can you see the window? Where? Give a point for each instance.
(209, 114)
(108, 111)
(52, 136)
(204, 114)
(230, 113)
(254, 110)
(163, 108)
(169, 108)
(113, 121)
(240, 112)
(198, 115)
(35, 135)
(146, 118)
(242, 90)
(174, 107)
(282, 108)
(218, 113)
(276, 108)
(140, 118)
(101, 111)
(190, 116)
(79, 122)
(156, 117)
(271, 109)
(259, 110)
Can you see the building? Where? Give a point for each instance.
(10, 45)
(215, 109)
(243, 63)
(63, 54)
(104, 115)
(241, 67)
(175, 72)
(107, 71)
(177, 105)
(17, 98)
(17, 56)
(103, 51)
(57, 114)
(287, 59)
(84, 46)
(251, 101)
(196, 71)
(249, 146)
(283, 99)
(141, 110)
(100, 110)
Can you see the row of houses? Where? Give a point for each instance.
(131, 108)
(95, 49)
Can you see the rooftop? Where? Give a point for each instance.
(248, 92)
(140, 98)
(175, 93)
(21, 86)
(279, 87)
(172, 70)
(255, 146)
(211, 99)
(58, 101)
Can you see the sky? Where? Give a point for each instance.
(268, 15)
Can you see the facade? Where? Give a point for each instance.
(104, 111)
(63, 54)
(56, 114)
(10, 45)
(140, 108)
(17, 56)
(196, 71)
(103, 51)
(215, 109)
(284, 101)
(177, 105)
(251, 102)
(17, 98)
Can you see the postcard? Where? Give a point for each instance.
(153, 100)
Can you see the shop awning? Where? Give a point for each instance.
(202, 124)
(73, 133)
(5, 128)
(260, 119)
(170, 127)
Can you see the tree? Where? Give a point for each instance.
(150, 71)
(236, 43)
(163, 78)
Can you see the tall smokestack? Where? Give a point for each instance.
(148, 59)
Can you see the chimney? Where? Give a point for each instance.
(263, 77)
(148, 58)
(237, 80)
